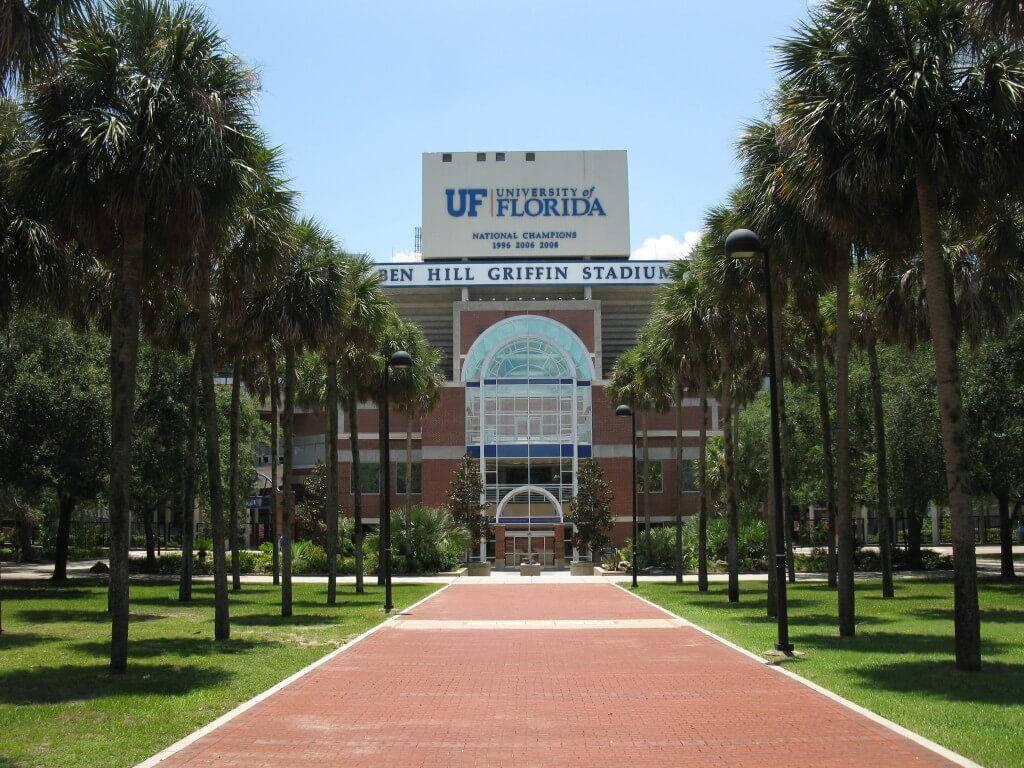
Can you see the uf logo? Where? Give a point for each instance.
(469, 201)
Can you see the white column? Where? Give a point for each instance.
(936, 515)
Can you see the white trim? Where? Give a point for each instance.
(247, 705)
(531, 488)
(917, 738)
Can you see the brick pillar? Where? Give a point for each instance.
(499, 546)
(559, 545)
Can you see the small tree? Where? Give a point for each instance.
(591, 511)
(465, 501)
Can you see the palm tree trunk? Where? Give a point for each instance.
(65, 510)
(188, 492)
(884, 520)
(233, 472)
(844, 523)
(221, 625)
(966, 617)
(702, 474)
(408, 483)
(124, 359)
(275, 418)
(1005, 537)
(732, 511)
(333, 506)
(679, 490)
(826, 451)
(357, 492)
(288, 424)
(646, 474)
(784, 441)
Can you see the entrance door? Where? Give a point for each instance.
(524, 546)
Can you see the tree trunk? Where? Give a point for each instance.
(147, 529)
(408, 483)
(784, 434)
(826, 451)
(884, 520)
(702, 478)
(844, 523)
(189, 481)
(679, 490)
(221, 621)
(65, 510)
(357, 492)
(124, 359)
(333, 506)
(645, 508)
(288, 424)
(1005, 537)
(771, 604)
(275, 417)
(732, 511)
(966, 617)
(233, 473)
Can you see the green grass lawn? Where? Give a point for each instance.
(60, 707)
(900, 664)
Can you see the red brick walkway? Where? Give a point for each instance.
(541, 696)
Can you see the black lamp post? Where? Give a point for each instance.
(400, 359)
(742, 243)
(625, 410)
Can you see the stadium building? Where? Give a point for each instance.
(526, 287)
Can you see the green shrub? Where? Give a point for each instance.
(308, 558)
(751, 545)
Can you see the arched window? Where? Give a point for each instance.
(528, 405)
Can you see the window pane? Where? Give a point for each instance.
(416, 477)
(369, 477)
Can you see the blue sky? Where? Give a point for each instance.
(355, 91)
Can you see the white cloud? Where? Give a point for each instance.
(406, 256)
(665, 247)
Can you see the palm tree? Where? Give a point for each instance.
(300, 306)
(127, 169)
(417, 393)
(361, 316)
(30, 36)
(686, 313)
(933, 120)
(864, 327)
(262, 231)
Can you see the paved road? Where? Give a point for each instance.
(523, 675)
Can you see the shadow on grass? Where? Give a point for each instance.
(10, 640)
(50, 592)
(277, 620)
(171, 601)
(892, 643)
(817, 619)
(989, 615)
(995, 684)
(338, 604)
(58, 684)
(175, 646)
(98, 616)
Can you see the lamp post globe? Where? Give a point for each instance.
(625, 410)
(400, 359)
(742, 243)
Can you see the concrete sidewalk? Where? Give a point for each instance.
(552, 675)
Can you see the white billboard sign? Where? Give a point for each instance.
(525, 273)
(492, 205)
